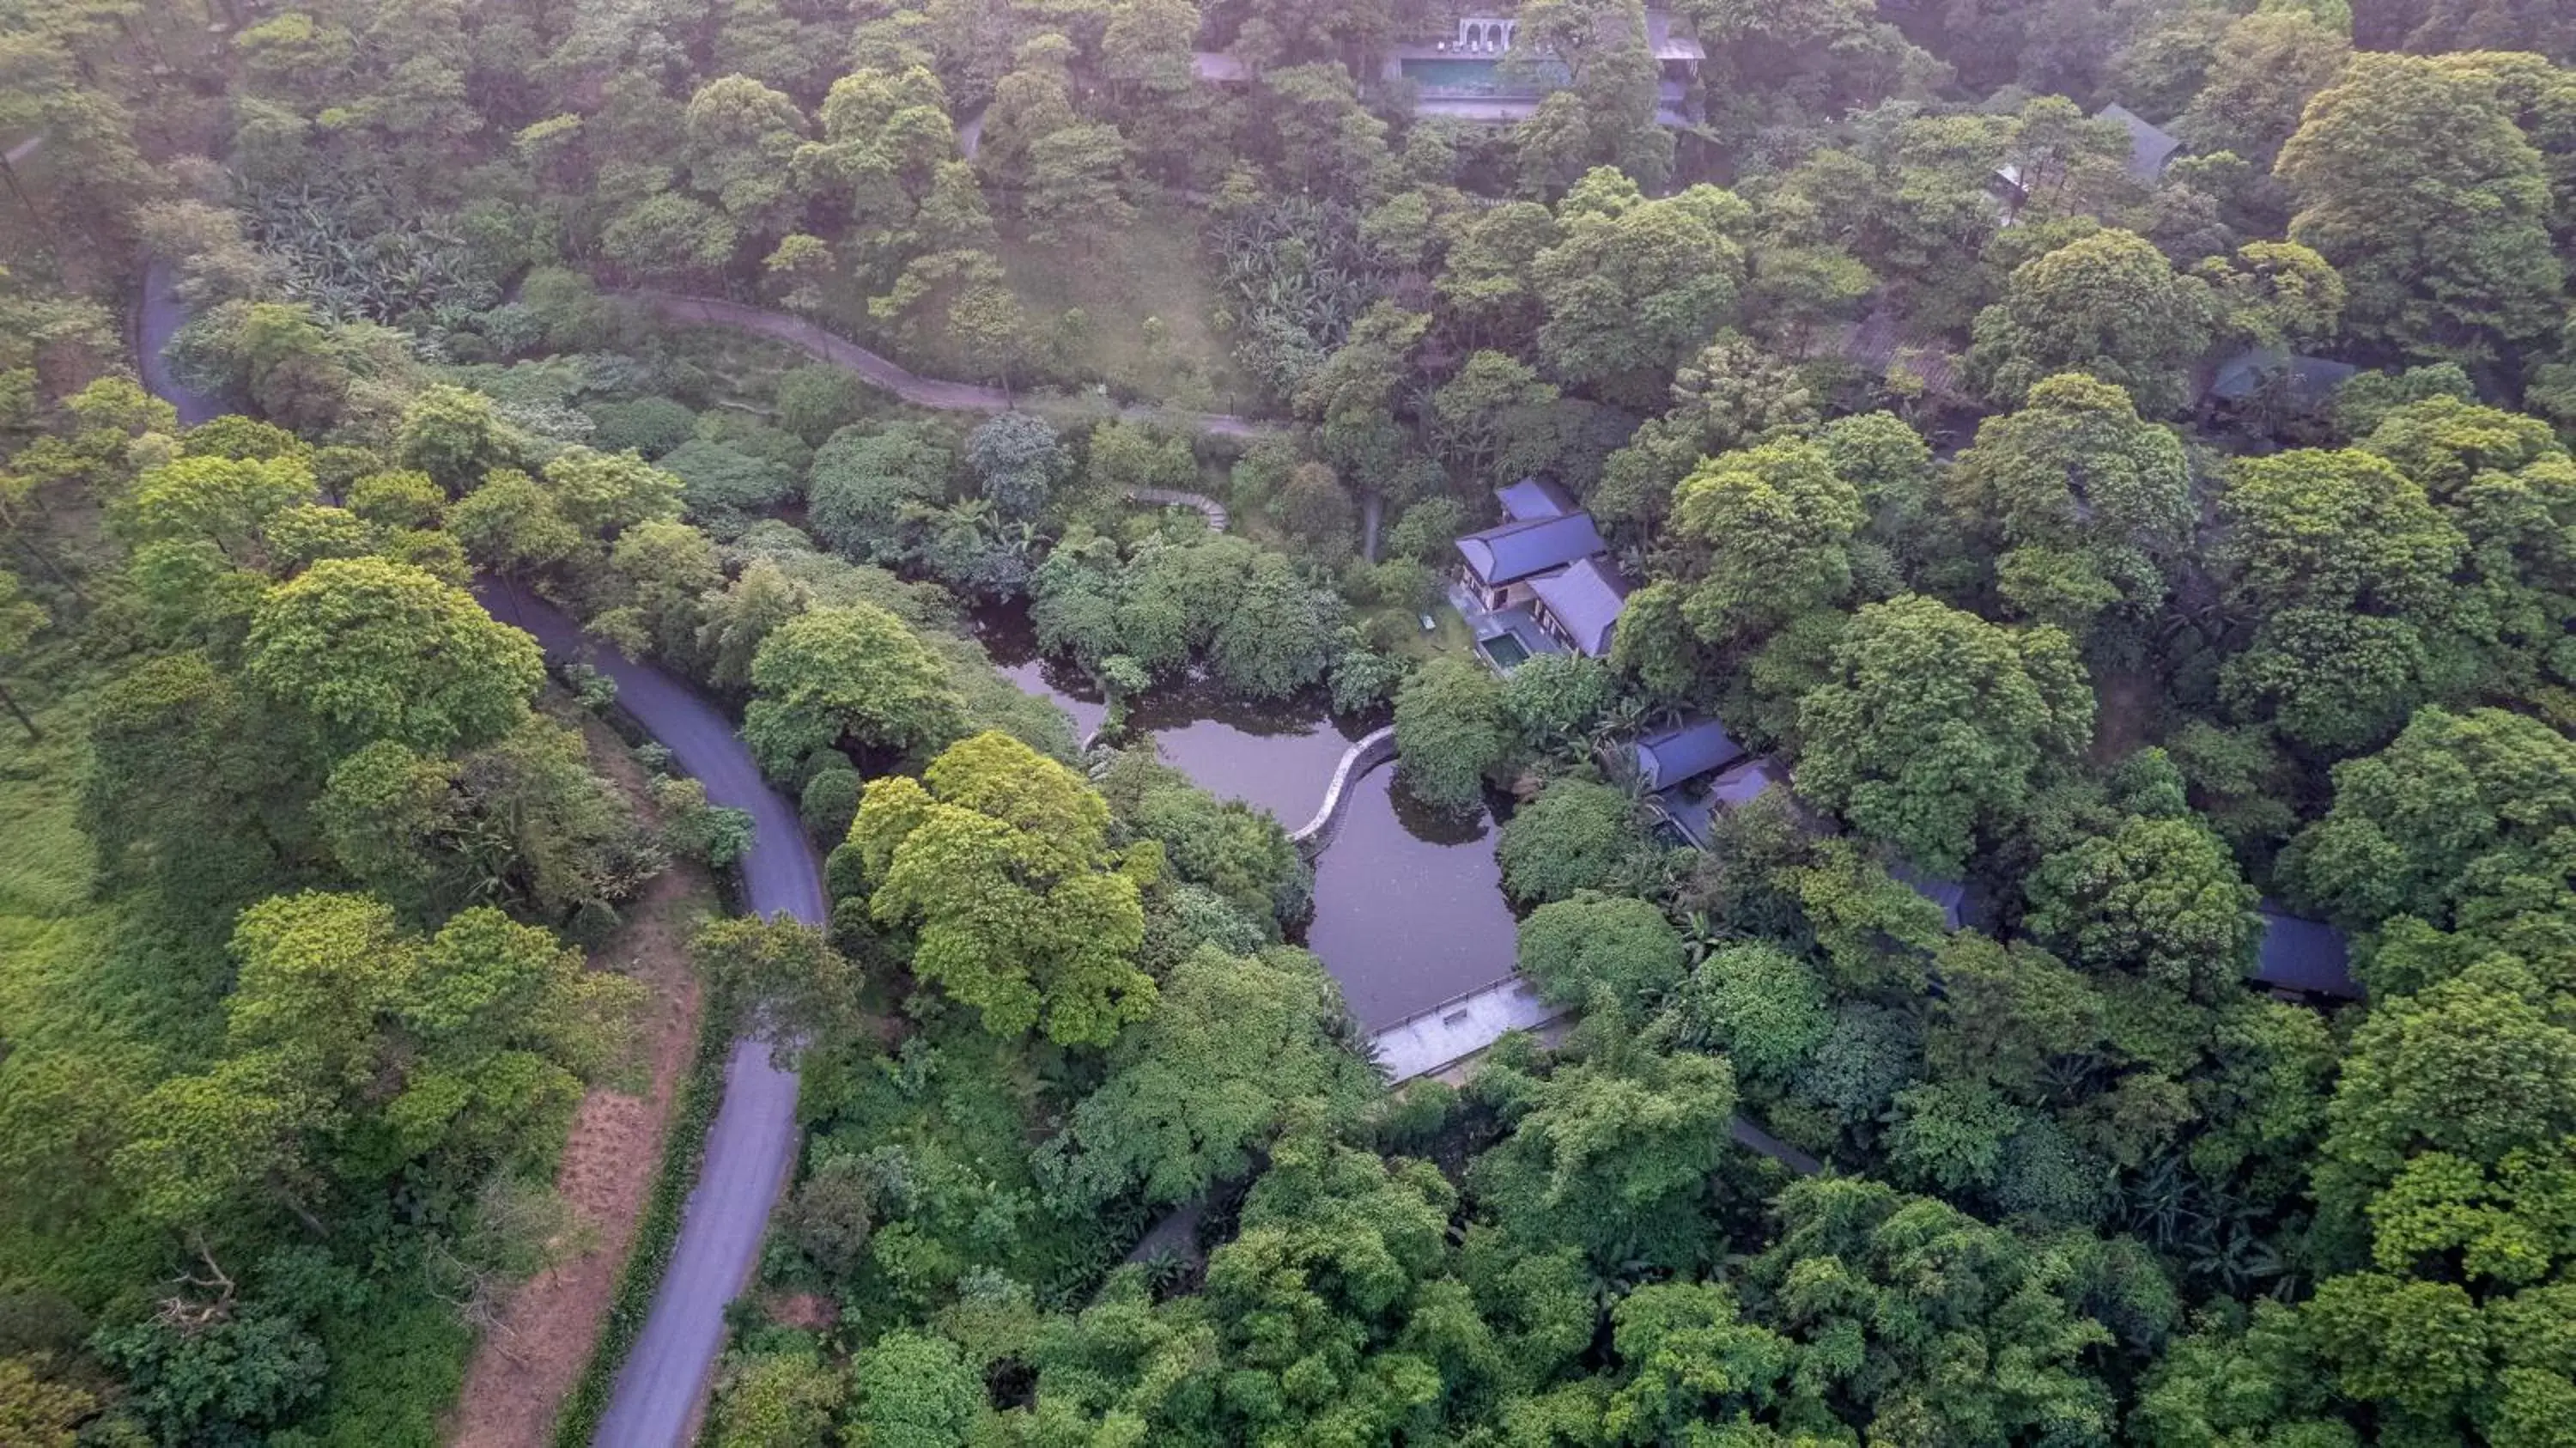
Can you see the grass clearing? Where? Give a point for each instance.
(1448, 638)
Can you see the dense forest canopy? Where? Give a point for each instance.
(2096, 478)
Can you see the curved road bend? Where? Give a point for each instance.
(655, 1400)
(749, 1147)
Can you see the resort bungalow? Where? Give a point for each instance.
(2302, 381)
(2304, 957)
(1579, 604)
(1668, 766)
(2150, 150)
(1460, 75)
(1501, 562)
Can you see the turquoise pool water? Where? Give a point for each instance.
(1460, 76)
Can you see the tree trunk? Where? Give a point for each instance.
(28, 724)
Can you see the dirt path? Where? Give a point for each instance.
(524, 1368)
(885, 373)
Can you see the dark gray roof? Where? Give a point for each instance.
(2304, 955)
(1531, 499)
(1517, 551)
(1950, 895)
(1746, 782)
(2311, 378)
(1677, 755)
(1586, 599)
(2150, 150)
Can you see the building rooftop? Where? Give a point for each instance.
(1677, 756)
(1531, 499)
(1746, 782)
(2311, 379)
(1667, 45)
(2304, 955)
(1950, 895)
(1218, 66)
(1586, 599)
(1515, 552)
(2150, 149)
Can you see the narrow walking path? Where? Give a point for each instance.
(920, 391)
(1209, 508)
(1364, 755)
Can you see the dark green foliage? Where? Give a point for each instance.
(724, 490)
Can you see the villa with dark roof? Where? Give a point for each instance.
(1542, 575)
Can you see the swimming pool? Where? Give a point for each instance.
(1459, 76)
(1506, 652)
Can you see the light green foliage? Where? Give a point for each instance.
(455, 437)
(2082, 503)
(1575, 835)
(741, 136)
(2444, 823)
(2276, 294)
(374, 650)
(1771, 530)
(1234, 1046)
(2158, 897)
(1614, 1161)
(725, 489)
(2109, 305)
(1762, 1008)
(1558, 701)
(2345, 564)
(1452, 731)
(206, 500)
(2005, 1012)
(1599, 953)
(1226, 845)
(2448, 254)
(2260, 77)
(1937, 726)
(775, 1400)
(354, 1051)
(1871, 1285)
(1635, 285)
(999, 859)
(847, 676)
(911, 1390)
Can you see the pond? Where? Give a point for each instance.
(1409, 909)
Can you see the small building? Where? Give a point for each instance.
(2305, 957)
(2151, 150)
(2307, 381)
(1579, 605)
(1216, 67)
(1502, 561)
(1532, 499)
(1460, 75)
(1950, 895)
(1675, 757)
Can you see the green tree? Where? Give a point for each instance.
(999, 859)
(870, 488)
(1451, 733)
(2447, 253)
(1575, 835)
(1759, 1006)
(1770, 532)
(853, 675)
(2260, 78)
(1636, 285)
(914, 1390)
(1936, 726)
(2345, 566)
(1017, 463)
(775, 1400)
(2108, 304)
(455, 437)
(375, 650)
(21, 619)
(1689, 1358)
(1234, 1045)
(741, 140)
(1616, 1162)
(2444, 824)
(2083, 503)
(1602, 952)
(2160, 898)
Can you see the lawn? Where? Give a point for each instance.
(1450, 638)
(1147, 304)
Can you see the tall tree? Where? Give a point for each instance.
(999, 860)
(846, 676)
(2446, 248)
(1935, 727)
(370, 649)
(2108, 304)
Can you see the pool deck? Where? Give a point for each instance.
(1517, 622)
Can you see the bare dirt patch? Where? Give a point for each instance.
(805, 1310)
(524, 1368)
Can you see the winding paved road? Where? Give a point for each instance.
(753, 1140)
(655, 1401)
(890, 376)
